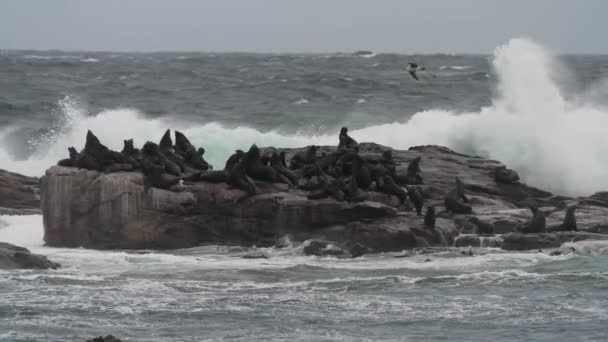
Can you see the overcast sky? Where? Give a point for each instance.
(472, 26)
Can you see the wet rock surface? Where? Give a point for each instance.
(360, 198)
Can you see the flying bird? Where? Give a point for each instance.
(412, 68)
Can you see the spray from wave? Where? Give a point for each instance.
(554, 144)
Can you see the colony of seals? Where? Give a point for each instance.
(342, 174)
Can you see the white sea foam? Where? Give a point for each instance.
(530, 127)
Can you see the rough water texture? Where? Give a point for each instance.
(543, 116)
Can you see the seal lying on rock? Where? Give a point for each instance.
(536, 225)
(480, 227)
(569, 223)
(391, 188)
(453, 199)
(96, 156)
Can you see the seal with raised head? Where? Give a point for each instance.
(414, 173)
(238, 178)
(189, 153)
(569, 223)
(345, 141)
(429, 217)
(132, 155)
(277, 164)
(254, 167)
(536, 225)
(72, 160)
(154, 167)
(165, 146)
(456, 199)
(416, 198)
(151, 151)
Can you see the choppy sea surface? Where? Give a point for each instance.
(541, 114)
(213, 294)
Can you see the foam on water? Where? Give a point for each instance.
(530, 127)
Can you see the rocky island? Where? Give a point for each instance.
(347, 200)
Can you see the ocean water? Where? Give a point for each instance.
(542, 114)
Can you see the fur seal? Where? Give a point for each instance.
(453, 199)
(154, 167)
(254, 167)
(151, 152)
(536, 225)
(165, 146)
(220, 176)
(416, 199)
(233, 159)
(569, 223)
(352, 191)
(131, 154)
(386, 160)
(237, 177)
(213, 176)
(283, 162)
(429, 217)
(391, 188)
(414, 173)
(72, 160)
(345, 141)
(189, 153)
(302, 158)
(277, 164)
(360, 170)
(96, 156)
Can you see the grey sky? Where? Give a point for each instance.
(474, 26)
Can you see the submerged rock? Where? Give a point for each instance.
(522, 242)
(467, 240)
(12, 257)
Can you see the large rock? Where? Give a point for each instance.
(98, 210)
(12, 257)
(18, 194)
(112, 210)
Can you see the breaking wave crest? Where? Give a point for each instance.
(530, 126)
